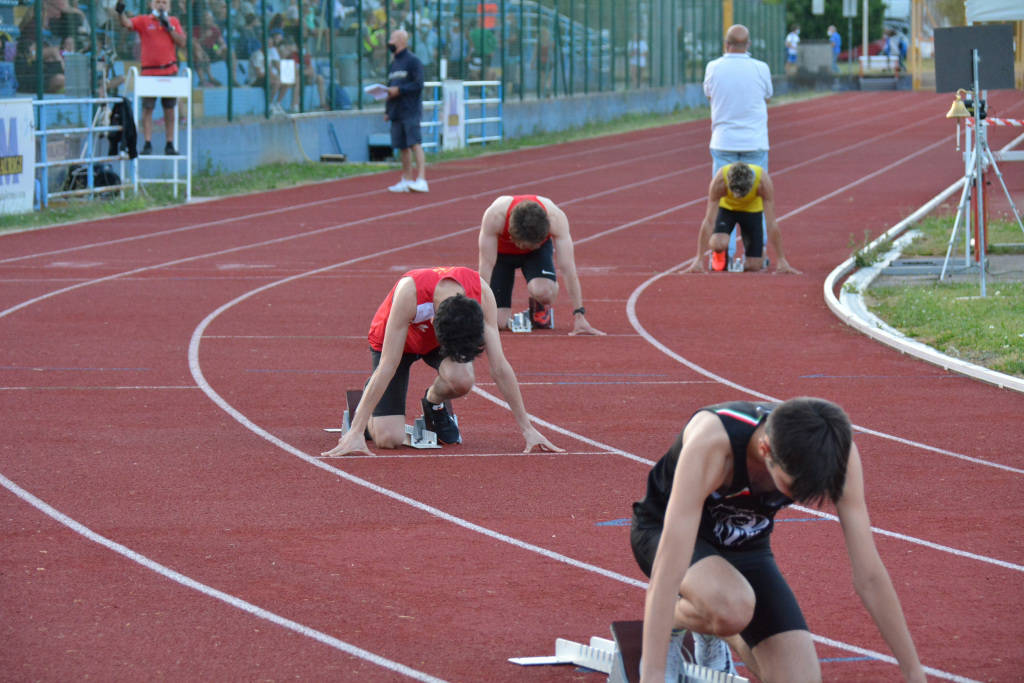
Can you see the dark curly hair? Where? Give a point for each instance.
(459, 326)
(810, 440)
(528, 223)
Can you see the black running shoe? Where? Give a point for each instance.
(147, 148)
(441, 422)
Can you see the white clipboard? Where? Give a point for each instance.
(377, 91)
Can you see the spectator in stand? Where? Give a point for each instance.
(456, 49)
(160, 35)
(482, 43)
(427, 46)
(637, 60)
(545, 58)
(209, 37)
(248, 40)
(513, 53)
(375, 42)
(309, 77)
(26, 55)
(277, 88)
(71, 22)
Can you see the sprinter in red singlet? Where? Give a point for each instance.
(446, 317)
(529, 233)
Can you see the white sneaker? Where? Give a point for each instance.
(419, 185)
(712, 652)
(401, 186)
(675, 660)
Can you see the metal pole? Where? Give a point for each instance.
(864, 33)
(979, 151)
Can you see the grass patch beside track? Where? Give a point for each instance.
(952, 317)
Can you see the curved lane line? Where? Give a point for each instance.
(231, 600)
(194, 366)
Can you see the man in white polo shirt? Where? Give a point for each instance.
(738, 87)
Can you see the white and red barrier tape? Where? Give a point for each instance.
(993, 121)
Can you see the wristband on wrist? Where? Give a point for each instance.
(580, 310)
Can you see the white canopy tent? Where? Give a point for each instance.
(1001, 10)
(993, 10)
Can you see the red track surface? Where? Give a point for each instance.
(164, 379)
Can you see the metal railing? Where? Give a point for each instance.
(483, 113)
(95, 128)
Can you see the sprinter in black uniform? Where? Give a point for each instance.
(702, 534)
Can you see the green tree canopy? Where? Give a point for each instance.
(814, 26)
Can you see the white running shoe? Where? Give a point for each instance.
(676, 659)
(712, 652)
(419, 185)
(401, 186)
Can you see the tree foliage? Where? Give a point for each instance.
(814, 26)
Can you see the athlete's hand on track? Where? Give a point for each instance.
(351, 442)
(535, 439)
(696, 267)
(581, 326)
(785, 268)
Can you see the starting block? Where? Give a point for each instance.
(520, 322)
(620, 658)
(416, 435)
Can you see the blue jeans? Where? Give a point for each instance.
(720, 158)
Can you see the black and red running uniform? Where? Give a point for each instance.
(539, 262)
(735, 524)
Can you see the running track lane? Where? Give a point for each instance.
(117, 335)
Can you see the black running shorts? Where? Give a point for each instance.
(537, 263)
(393, 400)
(751, 228)
(775, 609)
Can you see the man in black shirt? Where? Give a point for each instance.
(404, 109)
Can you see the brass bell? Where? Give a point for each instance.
(957, 110)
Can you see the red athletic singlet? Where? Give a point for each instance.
(505, 243)
(421, 338)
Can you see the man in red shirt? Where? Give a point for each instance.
(161, 36)
(530, 233)
(445, 316)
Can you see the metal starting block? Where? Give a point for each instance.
(620, 658)
(520, 322)
(416, 435)
(737, 264)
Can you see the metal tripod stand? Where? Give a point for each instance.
(980, 160)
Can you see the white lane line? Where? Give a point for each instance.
(194, 366)
(231, 600)
(666, 150)
(439, 513)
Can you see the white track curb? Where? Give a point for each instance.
(849, 306)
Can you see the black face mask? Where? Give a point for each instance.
(392, 48)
